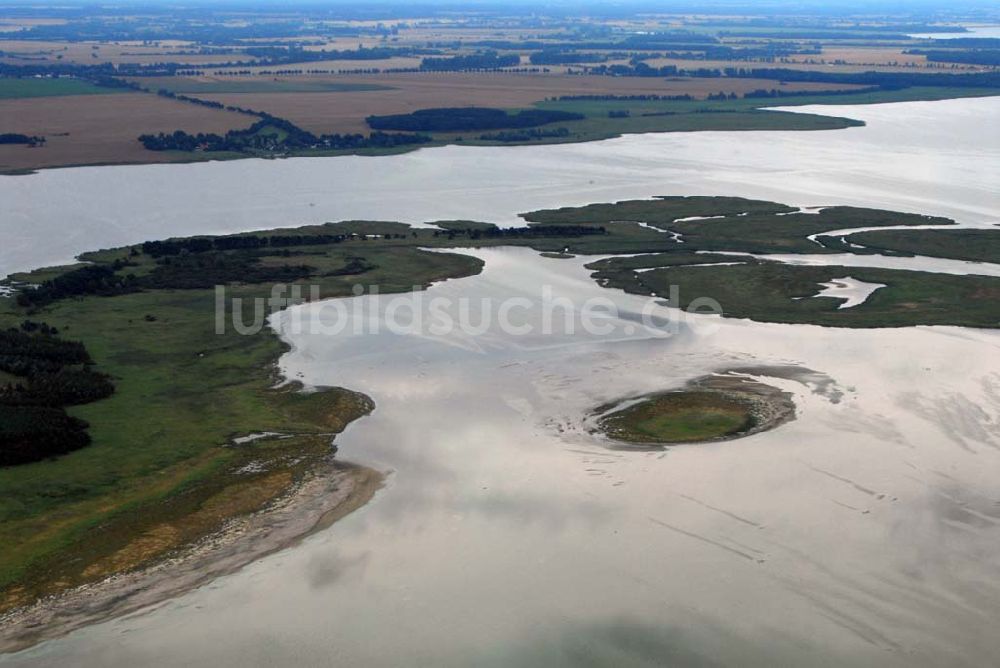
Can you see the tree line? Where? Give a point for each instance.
(524, 135)
(159, 249)
(16, 138)
(96, 279)
(272, 134)
(528, 232)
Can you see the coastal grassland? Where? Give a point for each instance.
(13, 87)
(774, 292)
(973, 245)
(658, 211)
(734, 223)
(160, 471)
(679, 417)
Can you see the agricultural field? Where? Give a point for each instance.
(325, 74)
(95, 129)
(11, 88)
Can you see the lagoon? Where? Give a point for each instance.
(863, 532)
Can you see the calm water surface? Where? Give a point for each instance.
(864, 533)
(927, 157)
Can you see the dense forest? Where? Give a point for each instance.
(51, 373)
(16, 138)
(88, 280)
(479, 61)
(454, 119)
(563, 57)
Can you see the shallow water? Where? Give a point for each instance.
(937, 158)
(863, 533)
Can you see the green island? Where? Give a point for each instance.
(161, 466)
(713, 408)
(690, 261)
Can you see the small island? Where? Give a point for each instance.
(712, 408)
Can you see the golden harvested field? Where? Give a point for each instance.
(385, 63)
(93, 53)
(861, 55)
(345, 111)
(95, 129)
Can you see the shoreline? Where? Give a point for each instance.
(329, 492)
(784, 107)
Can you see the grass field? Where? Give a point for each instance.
(12, 88)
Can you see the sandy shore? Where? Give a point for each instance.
(330, 492)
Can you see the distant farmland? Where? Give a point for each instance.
(96, 129)
(11, 88)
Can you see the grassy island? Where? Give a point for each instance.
(713, 408)
(680, 417)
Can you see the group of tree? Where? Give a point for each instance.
(272, 134)
(629, 98)
(190, 271)
(529, 134)
(970, 57)
(456, 119)
(50, 373)
(95, 279)
(16, 138)
(488, 60)
(884, 79)
(775, 92)
(158, 249)
(529, 232)
(561, 57)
